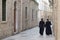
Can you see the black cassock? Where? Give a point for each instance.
(48, 28)
(41, 26)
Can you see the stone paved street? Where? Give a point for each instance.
(31, 34)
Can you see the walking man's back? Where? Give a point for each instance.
(41, 26)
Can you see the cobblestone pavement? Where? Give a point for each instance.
(31, 34)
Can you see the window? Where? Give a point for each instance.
(3, 10)
(32, 13)
(36, 14)
(25, 12)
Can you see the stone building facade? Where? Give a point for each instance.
(56, 16)
(16, 16)
(30, 16)
(47, 11)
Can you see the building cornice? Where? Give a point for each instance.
(35, 2)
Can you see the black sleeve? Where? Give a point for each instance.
(44, 23)
(50, 23)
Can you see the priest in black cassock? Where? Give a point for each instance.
(41, 26)
(48, 27)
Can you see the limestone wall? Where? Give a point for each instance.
(58, 19)
(28, 22)
(7, 27)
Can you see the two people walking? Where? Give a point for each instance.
(42, 25)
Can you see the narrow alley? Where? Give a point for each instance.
(19, 19)
(31, 34)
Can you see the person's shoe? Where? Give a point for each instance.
(41, 34)
(47, 34)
